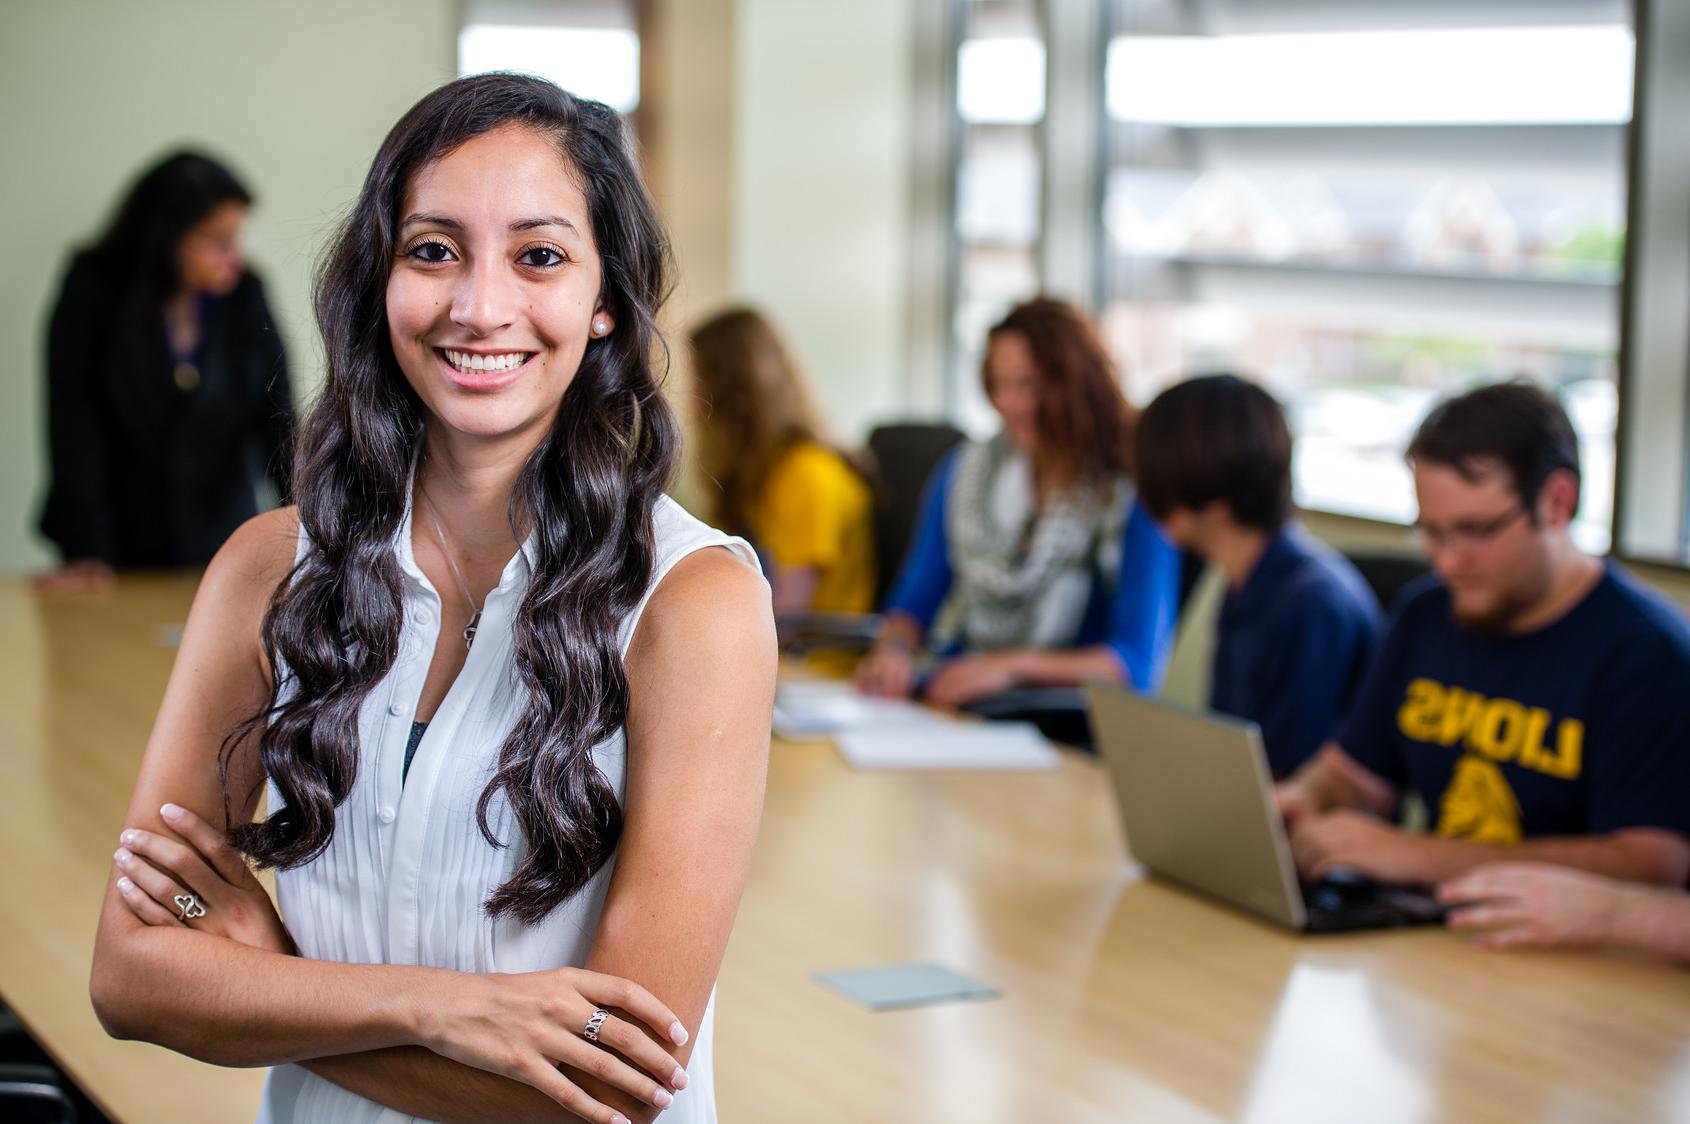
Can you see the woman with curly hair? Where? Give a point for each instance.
(508, 702)
(1047, 569)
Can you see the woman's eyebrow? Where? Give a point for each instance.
(542, 220)
(432, 220)
(519, 225)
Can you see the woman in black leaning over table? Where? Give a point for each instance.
(167, 386)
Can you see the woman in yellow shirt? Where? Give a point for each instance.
(770, 473)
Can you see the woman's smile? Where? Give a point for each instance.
(482, 370)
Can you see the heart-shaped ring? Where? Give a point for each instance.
(190, 905)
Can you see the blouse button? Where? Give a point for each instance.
(386, 815)
(395, 709)
(420, 616)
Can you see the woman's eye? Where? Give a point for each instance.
(431, 252)
(542, 257)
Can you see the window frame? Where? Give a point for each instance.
(1075, 164)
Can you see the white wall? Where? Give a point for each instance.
(779, 151)
(295, 96)
(821, 191)
(686, 131)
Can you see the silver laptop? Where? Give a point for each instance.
(1196, 802)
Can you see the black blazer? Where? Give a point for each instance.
(143, 472)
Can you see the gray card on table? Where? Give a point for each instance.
(904, 985)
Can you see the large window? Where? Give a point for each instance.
(1366, 204)
(1000, 108)
(589, 47)
(1368, 214)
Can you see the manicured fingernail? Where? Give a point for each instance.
(122, 856)
(129, 838)
(677, 1034)
(662, 1098)
(618, 1118)
(679, 1081)
(126, 886)
(170, 812)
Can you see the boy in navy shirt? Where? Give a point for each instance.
(1298, 624)
(1537, 698)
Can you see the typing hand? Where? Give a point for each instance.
(1294, 803)
(1534, 904)
(1347, 838)
(157, 874)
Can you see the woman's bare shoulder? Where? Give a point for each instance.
(247, 569)
(712, 586)
(711, 604)
(263, 548)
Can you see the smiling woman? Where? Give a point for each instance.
(446, 295)
(488, 821)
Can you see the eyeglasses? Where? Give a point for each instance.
(1469, 535)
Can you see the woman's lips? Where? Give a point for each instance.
(482, 371)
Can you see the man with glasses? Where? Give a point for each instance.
(1536, 698)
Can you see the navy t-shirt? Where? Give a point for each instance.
(1292, 646)
(1579, 728)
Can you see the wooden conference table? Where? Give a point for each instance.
(1122, 999)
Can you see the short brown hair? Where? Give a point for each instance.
(1216, 437)
(1516, 424)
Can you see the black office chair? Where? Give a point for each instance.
(32, 1090)
(32, 1093)
(1388, 574)
(905, 455)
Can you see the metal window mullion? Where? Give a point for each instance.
(1071, 144)
(1652, 509)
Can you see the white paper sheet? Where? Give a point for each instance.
(949, 745)
(809, 709)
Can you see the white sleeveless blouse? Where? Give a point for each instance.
(406, 873)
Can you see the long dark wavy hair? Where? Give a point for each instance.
(586, 493)
(138, 247)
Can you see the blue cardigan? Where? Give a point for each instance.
(1134, 619)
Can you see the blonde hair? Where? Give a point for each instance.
(754, 405)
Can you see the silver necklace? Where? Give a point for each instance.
(440, 533)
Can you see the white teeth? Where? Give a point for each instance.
(466, 361)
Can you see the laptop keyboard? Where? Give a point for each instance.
(1348, 901)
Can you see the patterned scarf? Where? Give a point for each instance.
(1023, 574)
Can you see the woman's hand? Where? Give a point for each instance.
(888, 671)
(518, 1026)
(88, 575)
(962, 680)
(154, 872)
(525, 1026)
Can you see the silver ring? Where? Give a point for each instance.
(591, 1033)
(190, 905)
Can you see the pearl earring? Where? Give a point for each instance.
(600, 327)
